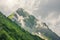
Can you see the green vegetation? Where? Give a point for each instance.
(11, 16)
(11, 31)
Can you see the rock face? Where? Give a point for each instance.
(9, 30)
(33, 25)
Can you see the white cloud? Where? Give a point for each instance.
(8, 6)
(51, 18)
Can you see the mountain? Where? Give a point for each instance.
(9, 30)
(33, 25)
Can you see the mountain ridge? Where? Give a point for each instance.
(33, 24)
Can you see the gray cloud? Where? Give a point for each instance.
(50, 6)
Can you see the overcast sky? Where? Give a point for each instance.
(46, 10)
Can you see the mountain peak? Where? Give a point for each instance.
(34, 25)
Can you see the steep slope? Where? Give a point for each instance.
(33, 25)
(11, 31)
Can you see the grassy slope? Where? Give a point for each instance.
(11, 16)
(11, 31)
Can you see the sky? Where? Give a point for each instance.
(46, 10)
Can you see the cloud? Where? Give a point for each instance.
(48, 6)
(47, 10)
(11, 5)
(51, 18)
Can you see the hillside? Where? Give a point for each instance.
(11, 31)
